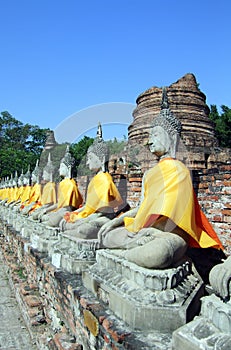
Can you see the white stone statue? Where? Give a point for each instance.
(102, 196)
(48, 197)
(157, 233)
(35, 193)
(69, 197)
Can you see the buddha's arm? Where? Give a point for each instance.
(46, 209)
(110, 225)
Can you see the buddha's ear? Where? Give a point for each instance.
(175, 140)
(103, 160)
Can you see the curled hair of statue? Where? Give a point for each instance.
(49, 167)
(21, 177)
(99, 146)
(36, 169)
(68, 160)
(166, 118)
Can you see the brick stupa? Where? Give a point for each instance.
(188, 104)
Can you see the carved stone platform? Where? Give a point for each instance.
(147, 299)
(210, 330)
(43, 237)
(72, 254)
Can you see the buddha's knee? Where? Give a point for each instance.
(158, 253)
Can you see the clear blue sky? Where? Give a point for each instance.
(60, 57)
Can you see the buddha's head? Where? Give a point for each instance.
(15, 179)
(27, 177)
(165, 132)
(48, 170)
(66, 164)
(98, 153)
(35, 174)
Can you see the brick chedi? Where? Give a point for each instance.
(188, 104)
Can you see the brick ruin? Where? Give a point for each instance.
(210, 164)
(60, 312)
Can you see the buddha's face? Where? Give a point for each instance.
(25, 181)
(159, 141)
(33, 178)
(63, 170)
(93, 161)
(46, 176)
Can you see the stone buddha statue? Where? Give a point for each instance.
(102, 196)
(168, 218)
(15, 194)
(48, 196)
(24, 190)
(69, 197)
(35, 193)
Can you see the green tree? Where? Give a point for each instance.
(79, 151)
(115, 146)
(222, 123)
(20, 145)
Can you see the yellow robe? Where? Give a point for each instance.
(101, 193)
(14, 195)
(25, 194)
(168, 191)
(68, 194)
(10, 194)
(35, 194)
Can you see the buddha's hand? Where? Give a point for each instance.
(220, 279)
(108, 226)
(41, 214)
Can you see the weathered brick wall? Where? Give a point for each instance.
(213, 188)
(60, 312)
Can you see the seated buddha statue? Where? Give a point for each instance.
(23, 191)
(101, 199)
(19, 188)
(69, 197)
(35, 193)
(15, 193)
(168, 218)
(48, 196)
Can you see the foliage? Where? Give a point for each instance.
(20, 145)
(222, 123)
(79, 151)
(115, 146)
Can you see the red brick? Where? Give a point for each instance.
(226, 212)
(32, 300)
(217, 218)
(227, 219)
(107, 340)
(107, 324)
(135, 179)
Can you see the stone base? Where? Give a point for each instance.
(145, 299)
(211, 330)
(43, 242)
(73, 255)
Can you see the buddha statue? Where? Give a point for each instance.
(168, 218)
(23, 190)
(69, 197)
(102, 196)
(48, 197)
(18, 181)
(15, 194)
(35, 193)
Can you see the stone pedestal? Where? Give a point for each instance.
(44, 237)
(210, 330)
(145, 299)
(72, 254)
